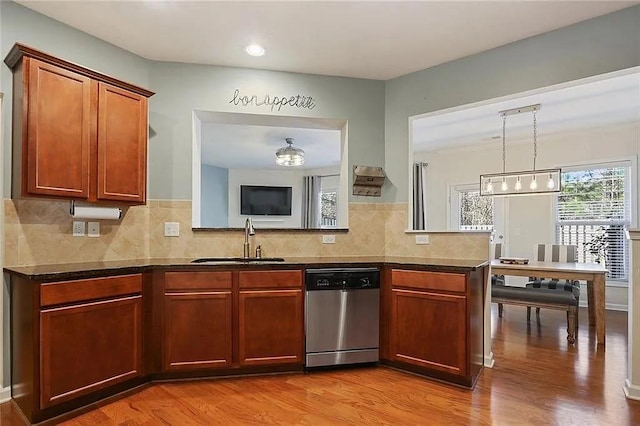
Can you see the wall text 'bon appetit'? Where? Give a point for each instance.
(274, 102)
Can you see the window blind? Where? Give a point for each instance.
(592, 212)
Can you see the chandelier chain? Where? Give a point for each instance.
(535, 138)
(504, 146)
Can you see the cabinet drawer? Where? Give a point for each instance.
(444, 281)
(197, 280)
(95, 288)
(270, 279)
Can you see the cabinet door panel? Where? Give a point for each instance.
(198, 330)
(197, 280)
(271, 327)
(428, 330)
(67, 292)
(427, 280)
(59, 132)
(89, 347)
(269, 279)
(122, 145)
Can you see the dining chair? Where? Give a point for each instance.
(554, 253)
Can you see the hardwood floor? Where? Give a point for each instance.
(537, 379)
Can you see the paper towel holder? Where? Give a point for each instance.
(94, 212)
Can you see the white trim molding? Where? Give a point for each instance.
(632, 383)
(5, 394)
(608, 306)
(489, 361)
(631, 391)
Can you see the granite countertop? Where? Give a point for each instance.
(66, 271)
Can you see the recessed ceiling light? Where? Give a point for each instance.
(255, 50)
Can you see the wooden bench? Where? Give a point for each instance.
(540, 298)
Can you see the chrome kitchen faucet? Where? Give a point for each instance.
(248, 230)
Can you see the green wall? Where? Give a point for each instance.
(19, 24)
(607, 43)
(182, 87)
(377, 111)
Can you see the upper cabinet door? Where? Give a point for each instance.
(122, 145)
(77, 133)
(59, 131)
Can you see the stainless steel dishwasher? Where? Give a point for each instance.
(342, 316)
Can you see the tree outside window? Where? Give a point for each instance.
(476, 212)
(329, 209)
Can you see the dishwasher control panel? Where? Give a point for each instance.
(342, 278)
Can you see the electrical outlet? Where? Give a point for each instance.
(328, 239)
(172, 229)
(93, 229)
(422, 239)
(78, 228)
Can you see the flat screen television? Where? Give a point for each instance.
(265, 200)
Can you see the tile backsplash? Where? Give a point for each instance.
(40, 232)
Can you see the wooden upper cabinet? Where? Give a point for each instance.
(58, 131)
(77, 134)
(122, 145)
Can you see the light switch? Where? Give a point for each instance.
(93, 229)
(172, 229)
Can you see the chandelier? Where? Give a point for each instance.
(289, 155)
(528, 182)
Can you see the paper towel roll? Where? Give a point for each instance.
(95, 212)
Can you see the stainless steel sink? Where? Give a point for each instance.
(237, 260)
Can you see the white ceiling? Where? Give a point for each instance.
(595, 103)
(251, 140)
(377, 40)
(242, 146)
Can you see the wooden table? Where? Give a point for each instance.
(592, 273)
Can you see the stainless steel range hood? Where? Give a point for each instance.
(368, 180)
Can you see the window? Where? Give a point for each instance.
(474, 211)
(592, 212)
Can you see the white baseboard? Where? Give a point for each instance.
(489, 361)
(608, 306)
(5, 394)
(631, 391)
(616, 307)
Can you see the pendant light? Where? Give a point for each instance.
(289, 155)
(524, 182)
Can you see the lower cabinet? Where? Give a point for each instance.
(198, 320)
(232, 319)
(432, 323)
(89, 346)
(270, 327)
(198, 330)
(429, 330)
(74, 341)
